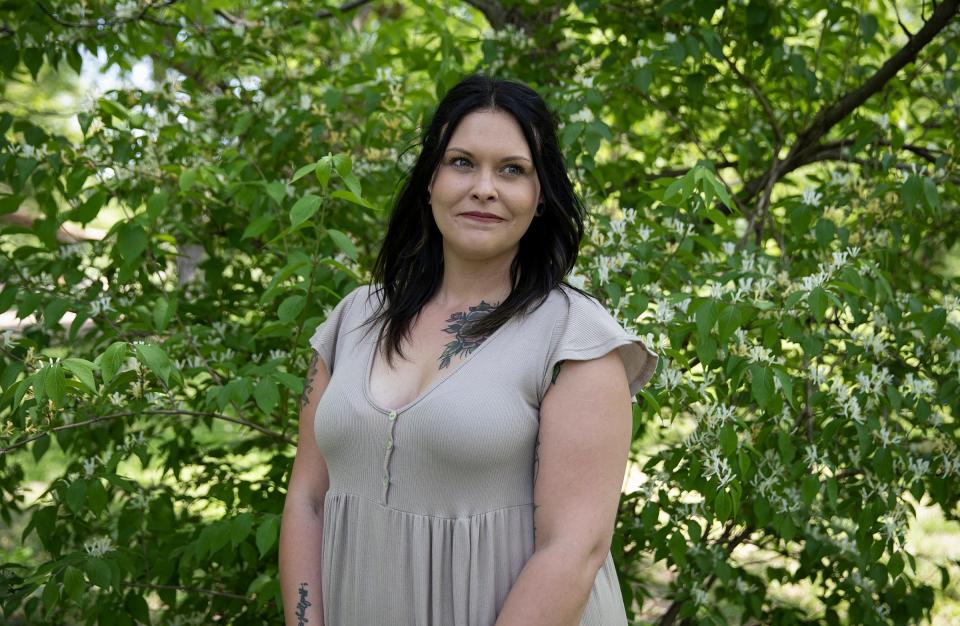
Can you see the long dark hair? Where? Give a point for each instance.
(409, 267)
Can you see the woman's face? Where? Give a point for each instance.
(486, 168)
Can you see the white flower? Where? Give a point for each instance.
(715, 466)
(98, 547)
(584, 115)
(89, 464)
(812, 197)
(639, 61)
(669, 37)
(884, 121)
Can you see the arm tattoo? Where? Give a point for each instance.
(536, 468)
(302, 606)
(536, 452)
(308, 384)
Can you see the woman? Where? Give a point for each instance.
(462, 484)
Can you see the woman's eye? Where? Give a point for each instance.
(519, 169)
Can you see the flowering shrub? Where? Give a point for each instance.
(773, 198)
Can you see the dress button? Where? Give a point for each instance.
(389, 444)
(386, 479)
(393, 415)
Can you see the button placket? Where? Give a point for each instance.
(388, 450)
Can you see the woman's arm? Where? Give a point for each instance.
(585, 433)
(301, 529)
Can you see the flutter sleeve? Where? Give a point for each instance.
(589, 331)
(324, 339)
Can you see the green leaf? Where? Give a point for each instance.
(304, 209)
(97, 497)
(90, 208)
(303, 171)
(786, 382)
(343, 164)
(277, 191)
(240, 528)
(678, 547)
(188, 179)
(343, 242)
(762, 386)
(723, 506)
(933, 322)
(706, 315)
(290, 308)
(267, 534)
(137, 607)
(931, 194)
(761, 508)
(83, 370)
(809, 489)
(155, 359)
(73, 583)
(97, 571)
(258, 226)
(825, 231)
(910, 192)
(324, 168)
(786, 447)
(50, 596)
(76, 495)
(728, 440)
(111, 360)
(818, 303)
(353, 184)
(55, 384)
(131, 241)
(868, 26)
(267, 395)
(895, 565)
(349, 196)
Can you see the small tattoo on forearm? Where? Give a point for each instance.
(302, 606)
(308, 384)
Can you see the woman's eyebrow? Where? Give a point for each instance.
(509, 158)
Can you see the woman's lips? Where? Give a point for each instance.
(479, 218)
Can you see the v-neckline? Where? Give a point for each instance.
(368, 373)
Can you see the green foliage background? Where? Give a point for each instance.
(773, 196)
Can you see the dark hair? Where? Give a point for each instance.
(409, 267)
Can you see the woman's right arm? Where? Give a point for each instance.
(301, 529)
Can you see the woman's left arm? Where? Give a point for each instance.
(585, 432)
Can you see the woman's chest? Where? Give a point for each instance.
(433, 350)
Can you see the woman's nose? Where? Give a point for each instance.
(484, 186)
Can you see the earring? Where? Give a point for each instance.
(540, 208)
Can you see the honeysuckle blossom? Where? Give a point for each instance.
(812, 197)
(716, 466)
(98, 547)
(583, 115)
(921, 388)
(663, 312)
(89, 465)
(670, 377)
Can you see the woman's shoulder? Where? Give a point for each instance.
(568, 299)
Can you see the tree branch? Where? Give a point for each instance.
(830, 116)
(103, 418)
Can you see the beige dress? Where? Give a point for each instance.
(429, 517)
